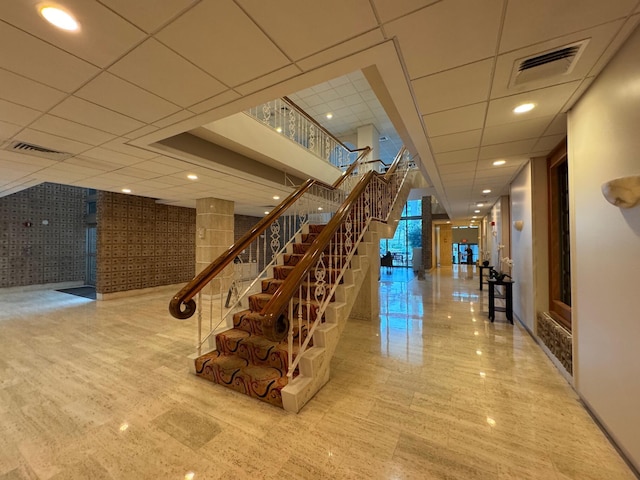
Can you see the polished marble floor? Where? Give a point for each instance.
(430, 390)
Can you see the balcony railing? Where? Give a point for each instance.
(287, 119)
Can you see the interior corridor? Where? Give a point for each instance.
(431, 390)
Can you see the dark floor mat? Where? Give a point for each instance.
(86, 292)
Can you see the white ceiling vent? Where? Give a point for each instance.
(546, 65)
(35, 150)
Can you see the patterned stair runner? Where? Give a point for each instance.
(246, 361)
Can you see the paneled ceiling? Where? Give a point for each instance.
(140, 71)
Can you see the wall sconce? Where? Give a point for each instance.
(518, 224)
(623, 192)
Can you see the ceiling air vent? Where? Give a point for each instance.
(36, 151)
(383, 138)
(546, 65)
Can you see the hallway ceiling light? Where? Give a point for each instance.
(126, 190)
(491, 422)
(478, 352)
(329, 116)
(482, 374)
(476, 211)
(276, 197)
(320, 208)
(475, 216)
(497, 163)
(192, 176)
(486, 190)
(59, 18)
(525, 107)
(479, 204)
(266, 213)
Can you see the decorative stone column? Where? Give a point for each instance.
(214, 235)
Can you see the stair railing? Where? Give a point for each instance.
(292, 122)
(304, 298)
(223, 285)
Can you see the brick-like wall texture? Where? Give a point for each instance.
(241, 225)
(40, 254)
(143, 244)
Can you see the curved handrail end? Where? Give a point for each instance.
(176, 308)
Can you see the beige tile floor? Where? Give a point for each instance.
(431, 390)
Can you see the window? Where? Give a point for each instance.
(559, 237)
(407, 237)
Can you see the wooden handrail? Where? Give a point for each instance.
(274, 310)
(183, 306)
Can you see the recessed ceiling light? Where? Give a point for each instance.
(59, 18)
(486, 190)
(126, 190)
(192, 176)
(266, 213)
(448, 221)
(475, 216)
(525, 107)
(276, 197)
(476, 211)
(320, 208)
(329, 116)
(497, 163)
(279, 129)
(479, 204)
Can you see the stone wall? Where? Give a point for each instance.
(143, 244)
(557, 339)
(42, 236)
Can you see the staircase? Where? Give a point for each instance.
(247, 362)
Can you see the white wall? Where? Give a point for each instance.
(604, 143)
(521, 248)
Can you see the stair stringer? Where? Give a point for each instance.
(315, 362)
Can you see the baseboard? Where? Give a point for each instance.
(43, 286)
(139, 291)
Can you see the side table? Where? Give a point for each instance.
(483, 277)
(502, 290)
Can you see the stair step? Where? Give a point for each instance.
(280, 272)
(292, 259)
(251, 322)
(256, 349)
(270, 285)
(301, 248)
(261, 382)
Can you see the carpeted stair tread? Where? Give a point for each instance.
(270, 285)
(251, 322)
(232, 371)
(256, 349)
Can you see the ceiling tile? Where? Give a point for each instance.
(148, 15)
(456, 120)
(533, 22)
(342, 50)
(138, 172)
(52, 142)
(103, 36)
(123, 97)
(268, 80)
(8, 130)
(300, 28)
(218, 100)
(391, 10)
(447, 34)
(119, 145)
(247, 54)
(93, 163)
(460, 167)
(17, 114)
(459, 156)
(454, 88)
(79, 110)
(23, 91)
(549, 101)
(111, 156)
(174, 118)
(44, 63)
(530, 128)
(160, 168)
(159, 70)
(67, 129)
(546, 144)
(509, 149)
(456, 141)
(558, 126)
